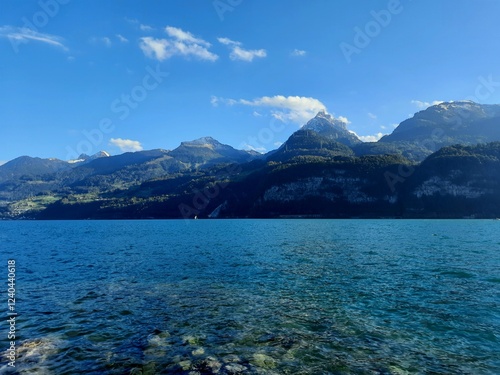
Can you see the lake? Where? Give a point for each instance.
(254, 296)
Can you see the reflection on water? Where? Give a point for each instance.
(257, 297)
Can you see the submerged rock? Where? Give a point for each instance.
(234, 369)
(263, 360)
(230, 358)
(198, 352)
(209, 365)
(192, 340)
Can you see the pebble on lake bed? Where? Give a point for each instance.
(185, 365)
(38, 350)
(191, 340)
(230, 358)
(197, 352)
(263, 360)
(234, 368)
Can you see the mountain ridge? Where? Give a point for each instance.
(450, 122)
(319, 170)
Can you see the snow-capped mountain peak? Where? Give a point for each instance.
(84, 158)
(324, 121)
(328, 126)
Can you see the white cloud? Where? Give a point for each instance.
(425, 105)
(296, 109)
(181, 43)
(228, 42)
(2, 162)
(214, 101)
(239, 53)
(155, 48)
(121, 38)
(136, 23)
(278, 144)
(371, 138)
(256, 114)
(372, 116)
(126, 145)
(184, 36)
(145, 27)
(298, 52)
(24, 35)
(344, 120)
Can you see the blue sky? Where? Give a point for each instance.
(83, 76)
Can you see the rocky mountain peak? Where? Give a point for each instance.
(332, 128)
(86, 158)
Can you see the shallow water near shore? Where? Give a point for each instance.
(255, 296)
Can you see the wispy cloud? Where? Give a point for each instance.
(372, 116)
(25, 35)
(131, 21)
(239, 53)
(214, 101)
(121, 38)
(135, 22)
(180, 43)
(101, 40)
(228, 42)
(297, 109)
(298, 53)
(106, 41)
(424, 105)
(185, 36)
(145, 27)
(126, 145)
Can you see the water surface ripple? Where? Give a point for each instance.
(256, 296)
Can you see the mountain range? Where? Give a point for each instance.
(442, 162)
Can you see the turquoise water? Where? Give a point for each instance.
(255, 296)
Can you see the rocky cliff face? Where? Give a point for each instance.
(439, 186)
(346, 189)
